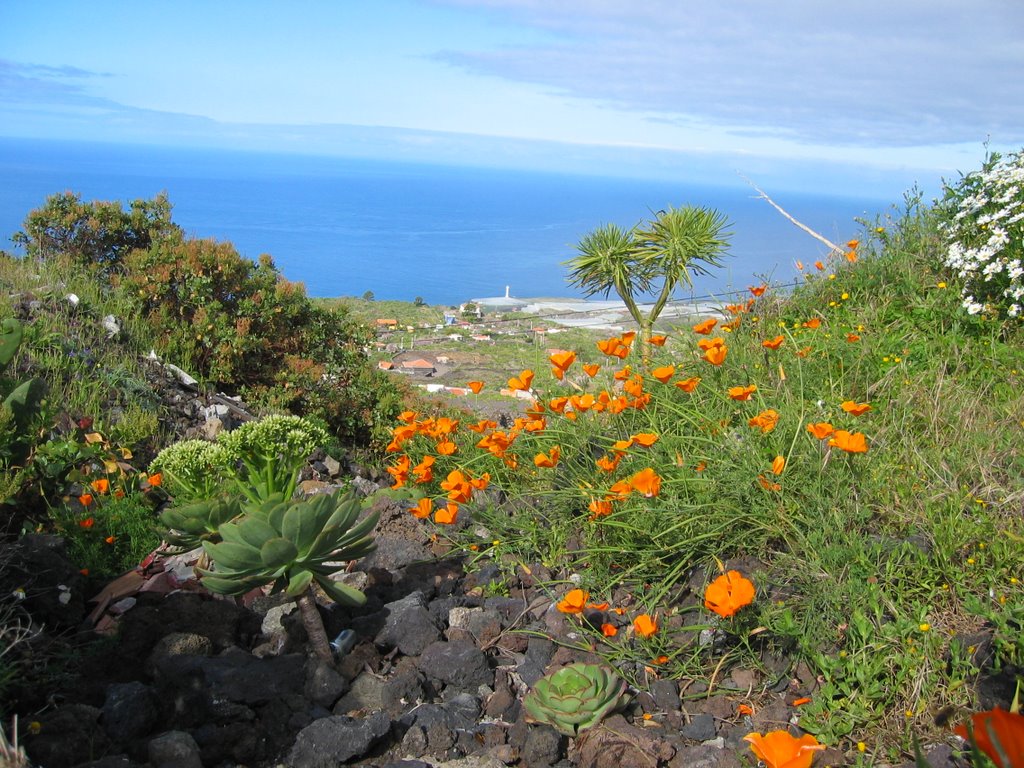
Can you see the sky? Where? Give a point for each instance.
(858, 96)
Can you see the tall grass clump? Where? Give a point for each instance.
(852, 449)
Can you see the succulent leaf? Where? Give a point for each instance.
(576, 697)
(341, 593)
(299, 582)
(233, 556)
(277, 552)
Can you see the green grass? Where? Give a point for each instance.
(874, 568)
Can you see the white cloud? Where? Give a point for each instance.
(867, 73)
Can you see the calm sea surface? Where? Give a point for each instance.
(446, 234)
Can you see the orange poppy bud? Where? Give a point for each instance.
(86, 501)
(89, 522)
(767, 484)
(778, 465)
(110, 539)
(801, 701)
(549, 459)
(744, 709)
(819, 266)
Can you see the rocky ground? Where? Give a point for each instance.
(431, 672)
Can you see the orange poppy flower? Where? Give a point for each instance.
(855, 408)
(86, 501)
(851, 256)
(609, 464)
(819, 266)
(480, 483)
(582, 402)
(773, 343)
(742, 393)
(399, 471)
(728, 593)
(689, 385)
(664, 373)
(557, 404)
(660, 660)
(799, 265)
(89, 522)
(659, 340)
(100, 486)
(766, 421)
(998, 734)
(620, 490)
(423, 471)
(423, 508)
(521, 382)
(758, 290)
(407, 417)
(851, 442)
(458, 487)
(744, 709)
(701, 466)
(814, 322)
(851, 244)
(448, 515)
(801, 701)
(591, 369)
(706, 326)
(803, 352)
(483, 425)
(780, 749)
(778, 465)
(575, 601)
(562, 360)
(613, 347)
(475, 386)
(599, 508)
(852, 337)
(447, 448)
(645, 439)
(767, 484)
(821, 430)
(549, 459)
(644, 625)
(609, 630)
(716, 355)
(155, 480)
(646, 482)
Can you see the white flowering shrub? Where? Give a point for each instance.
(984, 231)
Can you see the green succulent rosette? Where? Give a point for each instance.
(576, 697)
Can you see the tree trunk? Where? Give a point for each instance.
(314, 626)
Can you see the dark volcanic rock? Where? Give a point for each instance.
(408, 626)
(67, 734)
(460, 665)
(129, 712)
(333, 740)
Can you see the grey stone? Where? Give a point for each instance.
(458, 664)
(174, 749)
(402, 691)
(665, 694)
(324, 686)
(408, 626)
(332, 740)
(543, 746)
(700, 728)
(176, 644)
(130, 711)
(67, 733)
(367, 692)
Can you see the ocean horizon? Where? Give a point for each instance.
(402, 230)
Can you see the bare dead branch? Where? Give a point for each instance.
(763, 196)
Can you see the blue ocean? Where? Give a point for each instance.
(447, 234)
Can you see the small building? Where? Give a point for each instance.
(386, 323)
(385, 365)
(420, 366)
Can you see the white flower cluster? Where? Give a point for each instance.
(985, 237)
